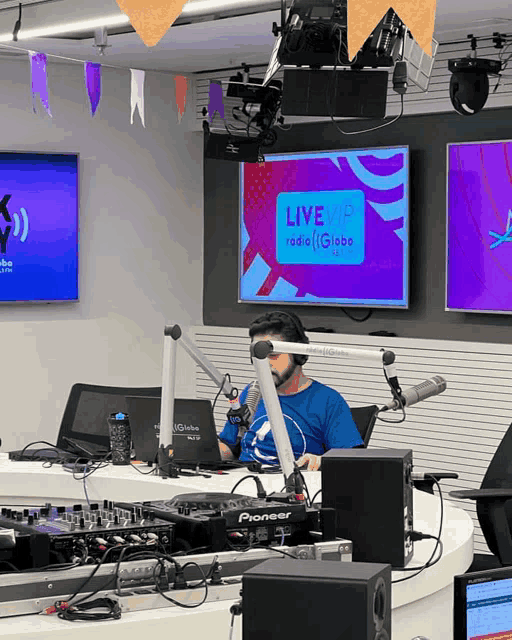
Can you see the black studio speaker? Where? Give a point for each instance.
(371, 492)
(348, 94)
(304, 599)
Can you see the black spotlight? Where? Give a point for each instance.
(469, 84)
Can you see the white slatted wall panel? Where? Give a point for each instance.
(435, 100)
(457, 431)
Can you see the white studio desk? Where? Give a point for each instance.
(421, 605)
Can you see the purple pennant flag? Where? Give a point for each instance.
(92, 72)
(39, 81)
(215, 104)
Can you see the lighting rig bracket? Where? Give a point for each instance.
(251, 111)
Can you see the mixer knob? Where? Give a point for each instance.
(61, 510)
(105, 504)
(110, 505)
(13, 514)
(94, 506)
(116, 519)
(4, 511)
(133, 519)
(82, 523)
(180, 509)
(25, 513)
(19, 516)
(36, 516)
(72, 526)
(77, 507)
(98, 521)
(186, 511)
(30, 520)
(151, 515)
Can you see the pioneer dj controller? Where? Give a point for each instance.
(222, 521)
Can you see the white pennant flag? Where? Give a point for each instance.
(137, 96)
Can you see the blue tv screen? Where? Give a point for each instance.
(38, 227)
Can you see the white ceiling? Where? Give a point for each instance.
(213, 44)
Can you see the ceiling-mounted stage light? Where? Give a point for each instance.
(469, 84)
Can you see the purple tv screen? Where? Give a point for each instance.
(329, 228)
(38, 227)
(479, 227)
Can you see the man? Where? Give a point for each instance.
(317, 417)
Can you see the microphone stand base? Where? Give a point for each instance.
(165, 463)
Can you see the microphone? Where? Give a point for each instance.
(241, 415)
(431, 387)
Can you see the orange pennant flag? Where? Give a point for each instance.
(364, 15)
(181, 95)
(151, 19)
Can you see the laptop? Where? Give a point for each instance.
(195, 441)
(83, 432)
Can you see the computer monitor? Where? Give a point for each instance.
(482, 605)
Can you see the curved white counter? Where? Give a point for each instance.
(421, 605)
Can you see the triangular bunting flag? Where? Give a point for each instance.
(215, 104)
(364, 15)
(137, 94)
(39, 81)
(92, 72)
(181, 84)
(151, 19)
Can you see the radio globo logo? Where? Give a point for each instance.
(20, 221)
(180, 427)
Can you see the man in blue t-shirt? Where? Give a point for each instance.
(317, 417)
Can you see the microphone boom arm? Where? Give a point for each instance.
(260, 351)
(173, 333)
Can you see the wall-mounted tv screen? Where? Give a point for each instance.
(326, 228)
(479, 227)
(38, 227)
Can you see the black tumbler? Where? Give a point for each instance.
(120, 437)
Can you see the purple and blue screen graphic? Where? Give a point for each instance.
(326, 228)
(38, 227)
(479, 227)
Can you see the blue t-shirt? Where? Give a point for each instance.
(317, 419)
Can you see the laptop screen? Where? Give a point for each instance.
(194, 434)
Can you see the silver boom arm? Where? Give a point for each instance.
(261, 350)
(172, 334)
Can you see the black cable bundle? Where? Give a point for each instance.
(82, 612)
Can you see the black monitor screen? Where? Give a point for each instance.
(483, 605)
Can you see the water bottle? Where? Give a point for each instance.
(120, 437)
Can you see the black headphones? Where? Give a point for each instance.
(297, 358)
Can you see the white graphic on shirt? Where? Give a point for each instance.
(264, 433)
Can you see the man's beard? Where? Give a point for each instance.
(281, 378)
